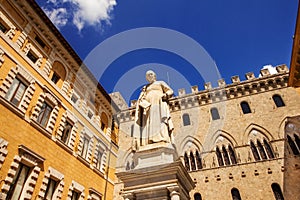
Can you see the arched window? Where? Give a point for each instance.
(219, 156)
(232, 155)
(245, 107)
(261, 150)
(278, 100)
(214, 113)
(193, 164)
(186, 162)
(127, 166)
(132, 165)
(268, 149)
(297, 140)
(197, 196)
(186, 119)
(235, 194)
(132, 128)
(58, 73)
(293, 145)
(254, 151)
(198, 159)
(277, 191)
(225, 156)
(104, 122)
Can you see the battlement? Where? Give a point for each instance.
(236, 89)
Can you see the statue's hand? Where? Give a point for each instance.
(164, 97)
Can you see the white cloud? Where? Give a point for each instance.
(57, 16)
(271, 69)
(82, 12)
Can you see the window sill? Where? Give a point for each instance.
(40, 128)
(12, 107)
(100, 173)
(83, 160)
(64, 146)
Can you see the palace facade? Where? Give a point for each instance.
(58, 138)
(234, 139)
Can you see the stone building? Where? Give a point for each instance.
(231, 138)
(57, 134)
(59, 139)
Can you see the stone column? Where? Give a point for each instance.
(174, 193)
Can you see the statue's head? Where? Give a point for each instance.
(150, 76)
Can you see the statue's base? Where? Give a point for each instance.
(154, 154)
(162, 182)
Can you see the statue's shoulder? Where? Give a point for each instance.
(160, 82)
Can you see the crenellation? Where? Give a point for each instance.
(265, 72)
(194, 89)
(208, 86)
(133, 103)
(181, 92)
(221, 83)
(250, 76)
(235, 79)
(282, 68)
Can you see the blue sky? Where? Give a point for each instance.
(190, 42)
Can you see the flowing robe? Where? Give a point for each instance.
(153, 123)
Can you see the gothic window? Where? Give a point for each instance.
(51, 186)
(261, 150)
(235, 194)
(198, 159)
(293, 145)
(186, 119)
(85, 147)
(132, 128)
(197, 196)
(192, 159)
(66, 132)
(254, 151)
(127, 165)
(225, 156)
(245, 107)
(278, 100)
(214, 113)
(186, 162)
(44, 114)
(277, 191)
(232, 155)
(268, 149)
(219, 156)
(18, 182)
(16, 92)
(297, 140)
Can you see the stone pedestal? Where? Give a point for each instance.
(154, 155)
(159, 175)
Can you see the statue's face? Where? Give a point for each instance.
(150, 76)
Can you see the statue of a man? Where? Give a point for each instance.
(152, 119)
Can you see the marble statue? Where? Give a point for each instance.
(152, 118)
